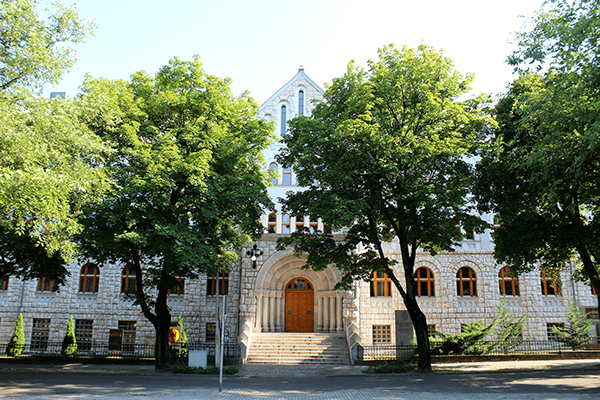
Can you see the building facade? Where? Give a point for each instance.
(274, 294)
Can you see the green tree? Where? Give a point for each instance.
(541, 179)
(16, 345)
(190, 186)
(577, 332)
(33, 51)
(69, 344)
(184, 339)
(509, 329)
(384, 158)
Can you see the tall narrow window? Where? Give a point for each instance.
(301, 103)
(466, 282)
(285, 223)
(84, 330)
(273, 168)
(509, 284)
(272, 223)
(381, 285)
(550, 285)
(128, 280)
(299, 222)
(283, 119)
(46, 285)
(88, 280)
(211, 284)
(287, 176)
(40, 334)
(425, 282)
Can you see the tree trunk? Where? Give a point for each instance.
(420, 325)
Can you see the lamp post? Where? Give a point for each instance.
(254, 253)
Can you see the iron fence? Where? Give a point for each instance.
(108, 350)
(393, 352)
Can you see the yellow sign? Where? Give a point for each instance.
(174, 335)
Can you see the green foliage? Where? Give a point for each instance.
(391, 367)
(190, 186)
(384, 156)
(541, 177)
(183, 340)
(16, 345)
(69, 344)
(577, 331)
(469, 342)
(33, 51)
(180, 368)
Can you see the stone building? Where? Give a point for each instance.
(274, 294)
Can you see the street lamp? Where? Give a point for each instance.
(254, 253)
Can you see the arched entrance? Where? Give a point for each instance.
(299, 306)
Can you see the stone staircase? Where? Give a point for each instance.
(298, 348)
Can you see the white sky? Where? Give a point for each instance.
(261, 43)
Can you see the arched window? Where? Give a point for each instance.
(425, 282)
(46, 285)
(466, 282)
(381, 285)
(283, 119)
(273, 167)
(287, 176)
(128, 282)
(3, 283)
(550, 285)
(88, 279)
(299, 222)
(509, 284)
(301, 103)
(285, 223)
(180, 287)
(313, 224)
(211, 284)
(272, 227)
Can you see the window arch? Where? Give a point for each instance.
(89, 278)
(301, 103)
(466, 282)
(509, 284)
(273, 167)
(128, 282)
(283, 119)
(272, 224)
(287, 176)
(425, 282)
(550, 285)
(285, 223)
(381, 285)
(46, 285)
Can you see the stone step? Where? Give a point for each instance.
(298, 348)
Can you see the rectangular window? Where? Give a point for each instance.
(40, 334)
(128, 329)
(382, 334)
(83, 333)
(211, 285)
(211, 332)
(550, 331)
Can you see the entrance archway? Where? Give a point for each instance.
(299, 306)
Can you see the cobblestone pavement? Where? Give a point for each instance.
(329, 381)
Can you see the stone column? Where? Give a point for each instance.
(331, 313)
(340, 326)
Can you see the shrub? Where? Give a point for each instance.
(16, 345)
(69, 344)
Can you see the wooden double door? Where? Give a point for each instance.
(299, 306)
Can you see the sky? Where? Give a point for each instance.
(260, 44)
